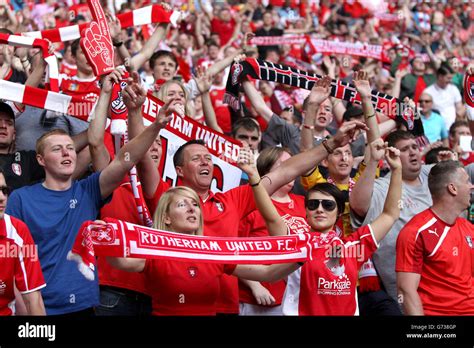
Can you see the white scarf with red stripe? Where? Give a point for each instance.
(141, 16)
(52, 72)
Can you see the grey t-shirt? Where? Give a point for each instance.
(280, 132)
(415, 199)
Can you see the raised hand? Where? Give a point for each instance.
(246, 161)
(392, 156)
(347, 133)
(377, 150)
(320, 91)
(203, 80)
(447, 155)
(361, 83)
(165, 115)
(107, 81)
(134, 94)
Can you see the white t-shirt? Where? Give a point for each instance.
(444, 100)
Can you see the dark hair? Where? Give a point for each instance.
(247, 123)
(330, 190)
(441, 175)
(352, 112)
(6, 31)
(162, 53)
(268, 157)
(456, 125)
(393, 138)
(432, 155)
(179, 157)
(444, 70)
(75, 46)
(210, 43)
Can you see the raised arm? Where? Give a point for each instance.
(361, 195)
(223, 63)
(319, 93)
(264, 273)
(257, 101)
(275, 225)
(95, 132)
(305, 161)
(362, 85)
(204, 82)
(129, 155)
(407, 284)
(391, 209)
(151, 44)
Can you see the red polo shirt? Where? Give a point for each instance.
(222, 213)
(19, 263)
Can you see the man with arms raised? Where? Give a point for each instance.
(55, 209)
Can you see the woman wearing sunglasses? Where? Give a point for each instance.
(327, 284)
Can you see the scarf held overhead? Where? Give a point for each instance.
(267, 71)
(141, 16)
(122, 239)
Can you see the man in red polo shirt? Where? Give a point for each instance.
(223, 211)
(435, 250)
(19, 263)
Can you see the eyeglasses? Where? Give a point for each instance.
(425, 101)
(327, 204)
(5, 190)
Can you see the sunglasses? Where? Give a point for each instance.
(425, 101)
(5, 190)
(327, 204)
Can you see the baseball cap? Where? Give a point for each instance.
(7, 109)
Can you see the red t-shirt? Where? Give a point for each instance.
(223, 29)
(24, 272)
(467, 158)
(68, 69)
(315, 289)
(222, 213)
(184, 287)
(444, 257)
(294, 214)
(122, 207)
(221, 110)
(87, 89)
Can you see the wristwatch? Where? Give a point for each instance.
(118, 44)
(326, 146)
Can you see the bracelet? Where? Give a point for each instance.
(308, 127)
(118, 44)
(367, 117)
(256, 184)
(300, 263)
(326, 146)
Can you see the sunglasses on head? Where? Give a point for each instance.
(328, 205)
(5, 190)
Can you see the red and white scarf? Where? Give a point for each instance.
(52, 73)
(122, 239)
(141, 16)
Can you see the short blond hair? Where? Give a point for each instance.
(164, 206)
(41, 142)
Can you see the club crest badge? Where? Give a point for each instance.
(237, 68)
(192, 271)
(469, 242)
(219, 206)
(16, 168)
(101, 236)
